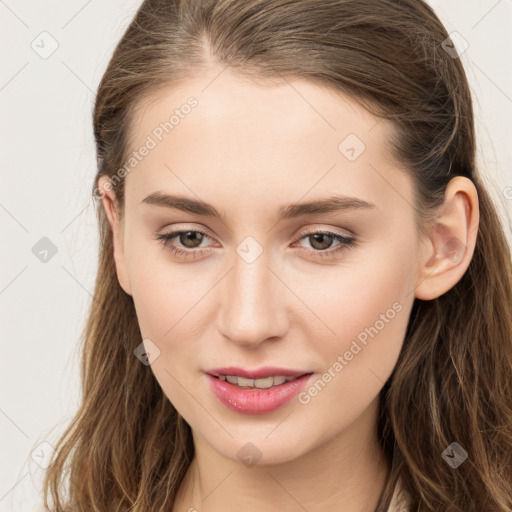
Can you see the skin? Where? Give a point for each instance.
(248, 149)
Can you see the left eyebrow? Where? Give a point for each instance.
(321, 206)
(317, 207)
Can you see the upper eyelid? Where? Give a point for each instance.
(310, 231)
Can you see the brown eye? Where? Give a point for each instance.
(322, 243)
(184, 243)
(321, 240)
(190, 239)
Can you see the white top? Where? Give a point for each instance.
(400, 502)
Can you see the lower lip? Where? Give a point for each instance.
(253, 400)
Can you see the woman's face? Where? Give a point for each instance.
(259, 288)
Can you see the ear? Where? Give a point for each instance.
(449, 247)
(111, 207)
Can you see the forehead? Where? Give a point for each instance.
(222, 137)
(254, 111)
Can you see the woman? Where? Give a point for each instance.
(304, 292)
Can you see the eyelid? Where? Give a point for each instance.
(178, 229)
(309, 231)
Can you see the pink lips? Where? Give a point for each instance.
(253, 400)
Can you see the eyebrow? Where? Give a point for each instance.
(316, 207)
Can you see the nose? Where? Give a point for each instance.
(253, 303)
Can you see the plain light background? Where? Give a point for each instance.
(48, 166)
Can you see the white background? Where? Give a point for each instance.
(48, 166)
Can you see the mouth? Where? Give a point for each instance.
(260, 395)
(258, 378)
(262, 383)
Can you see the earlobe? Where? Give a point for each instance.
(110, 207)
(447, 253)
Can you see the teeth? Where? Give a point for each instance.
(256, 383)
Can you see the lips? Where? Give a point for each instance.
(258, 373)
(249, 400)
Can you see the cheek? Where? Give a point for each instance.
(362, 309)
(369, 324)
(173, 307)
(170, 312)
(163, 292)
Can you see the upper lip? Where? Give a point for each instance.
(258, 373)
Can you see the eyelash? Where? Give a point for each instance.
(345, 243)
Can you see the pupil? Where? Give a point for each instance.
(191, 236)
(317, 236)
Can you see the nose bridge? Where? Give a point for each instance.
(251, 307)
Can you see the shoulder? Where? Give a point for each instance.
(401, 501)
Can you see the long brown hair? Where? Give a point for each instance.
(127, 448)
